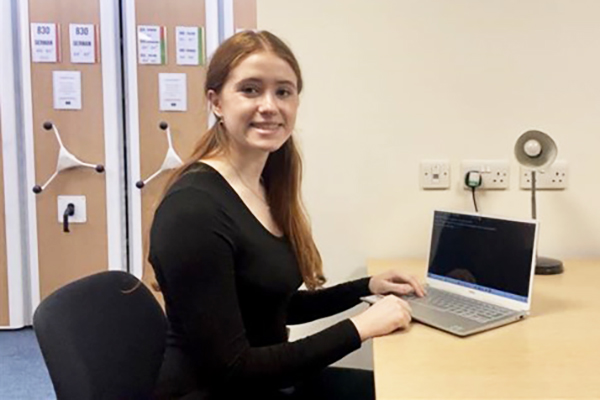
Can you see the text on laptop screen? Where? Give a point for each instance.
(487, 254)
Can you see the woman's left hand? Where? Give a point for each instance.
(394, 282)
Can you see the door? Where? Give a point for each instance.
(71, 95)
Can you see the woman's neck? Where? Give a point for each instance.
(244, 167)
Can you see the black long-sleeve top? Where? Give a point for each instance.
(231, 287)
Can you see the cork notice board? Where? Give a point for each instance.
(186, 127)
(64, 257)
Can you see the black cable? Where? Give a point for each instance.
(473, 182)
(474, 199)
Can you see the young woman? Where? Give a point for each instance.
(231, 245)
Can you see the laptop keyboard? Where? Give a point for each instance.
(460, 305)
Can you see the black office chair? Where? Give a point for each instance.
(100, 339)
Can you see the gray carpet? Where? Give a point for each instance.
(23, 374)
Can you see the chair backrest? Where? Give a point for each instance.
(100, 339)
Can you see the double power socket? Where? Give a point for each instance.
(495, 175)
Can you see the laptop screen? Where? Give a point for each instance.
(484, 253)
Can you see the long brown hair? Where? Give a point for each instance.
(282, 175)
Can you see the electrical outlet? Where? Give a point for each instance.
(80, 216)
(435, 174)
(555, 177)
(495, 174)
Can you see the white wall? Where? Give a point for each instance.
(391, 82)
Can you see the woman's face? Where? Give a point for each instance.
(258, 102)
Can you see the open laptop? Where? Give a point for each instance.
(480, 272)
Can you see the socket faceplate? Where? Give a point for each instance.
(556, 177)
(495, 174)
(434, 174)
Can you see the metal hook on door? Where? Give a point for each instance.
(171, 161)
(66, 160)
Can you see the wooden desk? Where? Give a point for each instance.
(553, 354)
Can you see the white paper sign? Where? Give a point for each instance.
(66, 90)
(172, 91)
(190, 45)
(45, 41)
(152, 44)
(83, 43)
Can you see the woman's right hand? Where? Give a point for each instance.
(385, 316)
